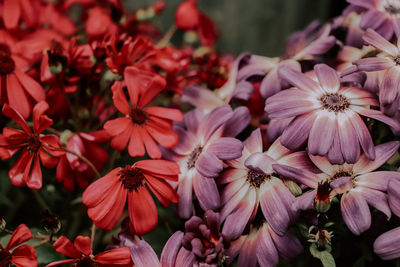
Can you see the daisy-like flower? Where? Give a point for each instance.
(358, 184)
(21, 256)
(205, 140)
(262, 247)
(17, 88)
(382, 16)
(142, 126)
(82, 254)
(251, 182)
(106, 197)
(327, 115)
(388, 61)
(34, 146)
(201, 245)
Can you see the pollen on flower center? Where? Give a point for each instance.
(194, 156)
(340, 174)
(34, 143)
(131, 178)
(334, 102)
(7, 64)
(138, 115)
(256, 178)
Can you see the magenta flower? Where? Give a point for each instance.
(251, 182)
(327, 115)
(388, 61)
(358, 185)
(387, 245)
(201, 245)
(380, 15)
(262, 247)
(204, 141)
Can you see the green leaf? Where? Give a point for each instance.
(324, 256)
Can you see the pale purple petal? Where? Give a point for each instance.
(277, 150)
(225, 148)
(355, 212)
(300, 175)
(389, 90)
(231, 196)
(322, 133)
(364, 137)
(143, 255)
(323, 164)
(206, 192)
(193, 118)
(335, 153)
(372, 18)
(387, 245)
(260, 162)
(288, 245)
(383, 152)
(185, 205)
(253, 143)
(276, 128)
(246, 255)
(271, 84)
(375, 39)
(377, 115)
(299, 159)
(170, 250)
(201, 97)
(298, 130)
(376, 199)
(305, 201)
(237, 123)
(243, 90)
(377, 180)
(394, 195)
(214, 120)
(298, 79)
(348, 138)
(208, 164)
(373, 63)
(386, 29)
(327, 77)
(266, 253)
(186, 143)
(184, 258)
(234, 249)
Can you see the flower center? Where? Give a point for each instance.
(138, 115)
(5, 257)
(340, 174)
(194, 156)
(256, 178)
(7, 64)
(131, 178)
(392, 7)
(86, 262)
(34, 143)
(335, 102)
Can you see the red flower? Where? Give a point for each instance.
(22, 256)
(141, 126)
(106, 197)
(81, 253)
(71, 169)
(17, 88)
(26, 169)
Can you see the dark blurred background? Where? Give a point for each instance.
(258, 26)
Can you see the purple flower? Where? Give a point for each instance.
(201, 245)
(327, 115)
(262, 247)
(251, 182)
(204, 142)
(388, 61)
(387, 245)
(382, 16)
(359, 186)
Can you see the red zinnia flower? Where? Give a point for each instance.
(22, 256)
(81, 253)
(26, 169)
(106, 197)
(142, 125)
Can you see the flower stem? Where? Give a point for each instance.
(167, 37)
(93, 234)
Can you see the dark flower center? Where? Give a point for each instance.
(7, 64)
(5, 257)
(392, 9)
(132, 178)
(256, 178)
(194, 156)
(86, 262)
(340, 174)
(397, 60)
(138, 115)
(334, 102)
(34, 143)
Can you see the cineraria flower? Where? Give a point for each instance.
(22, 256)
(82, 254)
(327, 115)
(387, 245)
(357, 183)
(17, 88)
(71, 169)
(201, 245)
(388, 61)
(262, 247)
(204, 141)
(251, 182)
(106, 197)
(380, 15)
(142, 126)
(35, 147)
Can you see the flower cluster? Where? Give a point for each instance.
(260, 157)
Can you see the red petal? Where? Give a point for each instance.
(167, 139)
(121, 141)
(64, 246)
(117, 126)
(40, 121)
(119, 98)
(11, 13)
(160, 167)
(20, 235)
(151, 146)
(156, 85)
(34, 180)
(13, 114)
(17, 171)
(32, 87)
(24, 262)
(142, 211)
(114, 256)
(83, 244)
(165, 113)
(136, 144)
(17, 97)
(25, 251)
(56, 263)
(162, 188)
